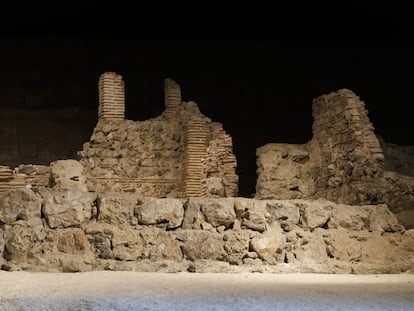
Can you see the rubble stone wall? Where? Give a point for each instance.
(341, 128)
(143, 157)
(71, 230)
(180, 153)
(344, 162)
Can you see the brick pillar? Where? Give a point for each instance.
(111, 97)
(195, 141)
(172, 93)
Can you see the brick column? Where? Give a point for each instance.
(195, 141)
(111, 97)
(172, 93)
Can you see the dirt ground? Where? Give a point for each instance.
(108, 290)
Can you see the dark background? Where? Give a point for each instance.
(256, 71)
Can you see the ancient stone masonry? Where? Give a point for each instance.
(111, 97)
(220, 164)
(195, 141)
(71, 230)
(24, 176)
(346, 138)
(8, 180)
(161, 195)
(344, 162)
(161, 157)
(172, 92)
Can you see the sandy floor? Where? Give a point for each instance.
(106, 290)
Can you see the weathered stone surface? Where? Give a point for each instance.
(270, 245)
(406, 245)
(236, 245)
(160, 244)
(341, 246)
(1, 243)
(19, 204)
(193, 217)
(68, 174)
(100, 237)
(219, 213)
(68, 208)
(284, 212)
(312, 248)
(377, 249)
(252, 214)
(381, 219)
(315, 214)
(167, 213)
(116, 208)
(71, 240)
(202, 245)
(349, 217)
(215, 187)
(127, 244)
(23, 237)
(280, 168)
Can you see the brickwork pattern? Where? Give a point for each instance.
(111, 97)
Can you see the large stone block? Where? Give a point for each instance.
(116, 208)
(19, 204)
(202, 245)
(218, 212)
(68, 174)
(167, 213)
(68, 208)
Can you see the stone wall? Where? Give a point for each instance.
(180, 153)
(349, 151)
(342, 129)
(72, 230)
(24, 176)
(344, 162)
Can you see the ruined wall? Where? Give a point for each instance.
(349, 151)
(70, 230)
(143, 157)
(342, 128)
(344, 162)
(180, 153)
